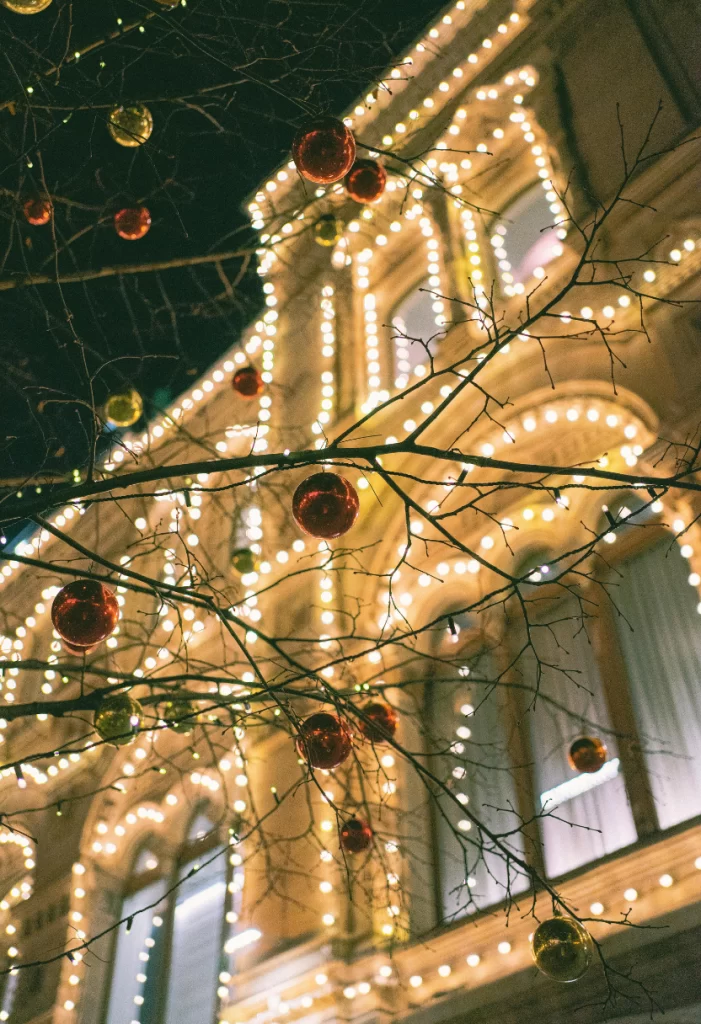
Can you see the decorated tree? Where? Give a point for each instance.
(344, 596)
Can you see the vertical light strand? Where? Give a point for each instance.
(328, 351)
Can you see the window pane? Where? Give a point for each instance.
(528, 234)
(413, 318)
(196, 947)
(134, 957)
(661, 643)
(468, 726)
(603, 806)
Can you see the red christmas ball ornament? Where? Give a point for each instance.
(382, 724)
(366, 180)
(132, 223)
(38, 211)
(587, 754)
(84, 613)
(324, 740)
(248, 382)
(325, 505)
(323, 150)
(356, 836)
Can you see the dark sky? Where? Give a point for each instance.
(227, 82)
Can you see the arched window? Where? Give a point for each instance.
(139, 946)
(469, 737)
(584, 816)
(168, 958)
(660, 636)
(524, 236)
(414, 331)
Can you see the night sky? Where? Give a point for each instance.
(227, 82)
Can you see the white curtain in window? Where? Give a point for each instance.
(196, 947)
(661, 643)
(132, 955)
(468, 726)
(582, 827)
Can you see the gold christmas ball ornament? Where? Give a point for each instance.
(587, 754)
(130, 125)
(562, 949)
(328, 230)
(26, 6)
(180, 716)
(118, 719)
(244, 561)
(124, 409)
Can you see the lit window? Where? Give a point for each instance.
(528, 232)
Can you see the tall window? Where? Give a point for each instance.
(585, 816)
(168, 958)
(524, 237)
(414, 329)
(468, 734)
(660, 636)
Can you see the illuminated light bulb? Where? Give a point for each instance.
(504, 948)
(416, 980)
(472, 960)
(666, 881)
(444, 970)
(630, 895)
(596, 908)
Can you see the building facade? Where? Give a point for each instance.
(501, 127)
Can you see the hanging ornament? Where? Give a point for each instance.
(180, 716)
(325, 505)
(587, 754)
(248, 382)
(132, 223)
(328, 230)
(323, 150)
(123, 409)
(356, 836)
(382, 724)
(130, 125)
(26, 6)
(118, 719)
(84, 613)
(324, 740)
(38, 211)
(562, 949)
(366, 180)
(244, 561)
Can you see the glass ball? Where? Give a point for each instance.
(562, 949)
(328, 230)
(124, 409)
(84, 613)
(382, 724)
(118, 719)
(38, 211)
(587, 754)
(180, 716)
(323, 150)
(26, 6)
(248, 382)
(325, 505)
(244, 561)
(366, 180)
(324, 740)
(132, 222)
(130, 125)
(356, 836)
